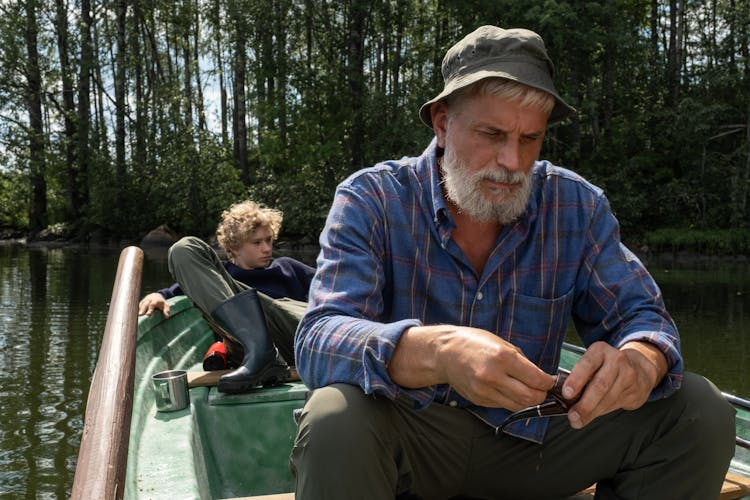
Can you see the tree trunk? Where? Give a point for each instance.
(744, 23)
(201, 111)
(676, 39)
(309, 10)
(654, 19)
(396, 72)
(681, 41)
(356, 79)
(238, 93)
(100, 124)
(84, 104)
(281, 70)
(139, 154)
(672, 51)
(608, 78)
(120, 167)
(731, 37)
(38, 182)
(264, 64)
(155, 78)
(217, 26)
(187, 61)
(69, 111)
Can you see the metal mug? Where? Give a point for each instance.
(171, 390)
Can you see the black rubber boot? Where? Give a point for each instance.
(242, 319)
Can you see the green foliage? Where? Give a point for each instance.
(186, 187)
(330, 88)
(705, 242)
(14, 198)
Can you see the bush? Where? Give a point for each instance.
(706, 242)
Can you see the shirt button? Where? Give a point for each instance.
(453, 404)
(480, 295)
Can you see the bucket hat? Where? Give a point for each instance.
(515, 54)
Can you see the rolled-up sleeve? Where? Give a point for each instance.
(345, 336)
(619, 301)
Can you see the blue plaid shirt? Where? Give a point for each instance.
(388, 262)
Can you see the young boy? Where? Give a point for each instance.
(256, 300)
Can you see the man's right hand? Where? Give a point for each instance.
(480, 366)
(151, 302)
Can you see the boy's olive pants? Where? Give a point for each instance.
(203, 278)
(350, 445)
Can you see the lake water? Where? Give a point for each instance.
(53, 308)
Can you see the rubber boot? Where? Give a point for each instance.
(241, 317)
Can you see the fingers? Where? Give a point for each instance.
(593, 377)
(519, 394)
(607, 380)
(152, 302)
(492, 372)
(143, 307)
(517, 382)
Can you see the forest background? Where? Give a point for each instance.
(118, 116)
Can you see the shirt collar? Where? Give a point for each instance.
(440, 214)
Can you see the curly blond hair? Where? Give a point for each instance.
(240, 220)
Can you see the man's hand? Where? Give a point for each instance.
(151, 302)
(480, 366)
(613, 379)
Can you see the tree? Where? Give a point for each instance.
(84, 109)
(120, 109)
(68, 111)
(127, 124)
(239, 125)
(37, 179)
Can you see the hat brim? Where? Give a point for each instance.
(559, 112)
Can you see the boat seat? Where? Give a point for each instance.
(735, 486)
(199, 378)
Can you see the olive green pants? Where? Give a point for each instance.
(205, 280)
(350, 445)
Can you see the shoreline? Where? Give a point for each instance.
(310, 251)
(303, 251)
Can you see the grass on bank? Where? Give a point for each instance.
(724, 242)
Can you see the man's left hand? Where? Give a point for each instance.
(613, 379)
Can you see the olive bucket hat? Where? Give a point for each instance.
(515, 54)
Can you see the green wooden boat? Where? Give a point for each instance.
(221, 446)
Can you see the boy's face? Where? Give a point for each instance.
(255, 252)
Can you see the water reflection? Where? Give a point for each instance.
(53, 308)
(710, 305)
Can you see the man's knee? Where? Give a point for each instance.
(711, 417)
(345, 445)
(338, 415)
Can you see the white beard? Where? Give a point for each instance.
(465, 190)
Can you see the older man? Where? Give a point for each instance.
(443, 291)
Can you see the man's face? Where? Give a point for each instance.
(490, 147)
(255, 252)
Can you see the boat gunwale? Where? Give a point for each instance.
(103, 452)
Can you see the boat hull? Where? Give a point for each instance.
(222, 445)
